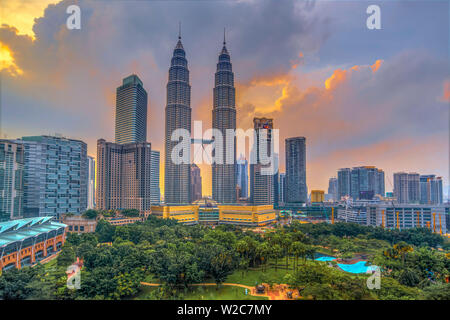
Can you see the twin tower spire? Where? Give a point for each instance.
(177, 178)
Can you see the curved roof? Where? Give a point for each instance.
(19, 230)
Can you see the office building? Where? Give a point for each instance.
(155, 194)
(344, 183)
(282, 189)
(196, 183)
(296, 189)
(11, 180)
(223, 118)
(242, 178)
(131, 111)
(333, 189)
(317, 196)
(55, 176)
(178, 116)
(261, 176)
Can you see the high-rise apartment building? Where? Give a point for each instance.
(55, 176)
(11, 180)
(131, 111)
(261, 178)
(178, 116)
(344, 183)
(366, 182)
(242, 178)
(296, 189)
(333, 188)
(223, 118)
(124, 176)
(431, 191)
(91, 183)
(406, 187)
(196, 183)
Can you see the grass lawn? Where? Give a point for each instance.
(255, 276)
(205, 293)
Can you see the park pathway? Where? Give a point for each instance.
(278, 294)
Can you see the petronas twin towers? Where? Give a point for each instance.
(178, 116)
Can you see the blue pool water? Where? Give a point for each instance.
(358, 267)
(325, 258)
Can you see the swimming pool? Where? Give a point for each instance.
(325, 258)
(358, 267)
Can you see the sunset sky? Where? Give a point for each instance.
(359, 96)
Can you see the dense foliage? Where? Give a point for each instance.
(116, 259)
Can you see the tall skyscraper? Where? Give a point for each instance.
(344, 183)
(431, 191)
(196, 183)
(56, 176)
(406, 187)
(261, 183)
(91, 183)
(131, 111)
(123, 176)
(242, 178)
(223, 118)
(178, 116)
(296, 189)
(333, 188)
(155, 194)
(11, 180)
(366, 182)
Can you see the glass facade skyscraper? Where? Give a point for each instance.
(91, 183)
(155, 194)
(242, 178)
(177, 177)
(296, 189)
(56, 176)
(11, 180)
(131, 111)
(223, 118)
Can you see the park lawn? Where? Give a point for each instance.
(221, 293)
(205, 293)
(255, 275)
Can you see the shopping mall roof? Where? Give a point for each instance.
(21, 229)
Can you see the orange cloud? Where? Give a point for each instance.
(7, 61)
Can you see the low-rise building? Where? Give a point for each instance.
(24, 242)
(208, 212)
(409, 216)
(78, 223)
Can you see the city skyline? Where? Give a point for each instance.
(278, 87)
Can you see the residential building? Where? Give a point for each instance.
(406, 187)
(124, 176)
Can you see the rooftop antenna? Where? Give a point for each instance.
(179, 30)
(224, 42)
